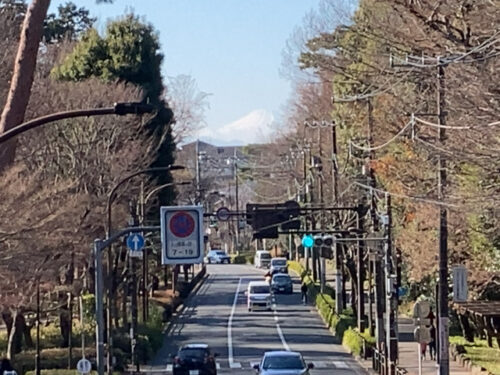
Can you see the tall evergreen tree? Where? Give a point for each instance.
(129, 52)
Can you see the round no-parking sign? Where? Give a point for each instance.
(182, 224)
(182, 234)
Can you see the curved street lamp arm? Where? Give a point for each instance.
(117, 109)
(158, 188)
(112, 193)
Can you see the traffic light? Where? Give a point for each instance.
(266, 219)
(324, 243)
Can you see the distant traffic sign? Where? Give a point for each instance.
(182, 234)
(135, 242)
(223, 214)
(83, 366)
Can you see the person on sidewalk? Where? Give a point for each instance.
(423, 350)
(432, 343)
(303, 290)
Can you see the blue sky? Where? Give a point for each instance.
(231, 47)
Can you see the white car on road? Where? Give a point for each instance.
(258, 295)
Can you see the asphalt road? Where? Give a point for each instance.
(217, 315)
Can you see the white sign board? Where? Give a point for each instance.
(182, 234)
(460, 289)
(83, 366)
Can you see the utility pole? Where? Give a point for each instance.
(391, 294)
(361, 269)
(198, 171)
(443, 355)
(373, 215)
(133, 290)
(236, 193)
(337, 245)
(322, 260)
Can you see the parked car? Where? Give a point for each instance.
(218, 256)
(262, 259)
(258, 295)
(282, 283)
(195, 359)
(281, 362)
(278, 265)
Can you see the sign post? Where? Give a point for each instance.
(182, 234)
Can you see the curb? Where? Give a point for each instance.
(183, 305)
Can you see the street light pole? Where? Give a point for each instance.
(109, 229)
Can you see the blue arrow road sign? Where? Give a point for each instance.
(135, 241)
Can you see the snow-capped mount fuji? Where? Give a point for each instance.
(254, 127)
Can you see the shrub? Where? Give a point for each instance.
(353, 341)
(239, 259)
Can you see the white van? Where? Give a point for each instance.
(262, 259)
(258, 295)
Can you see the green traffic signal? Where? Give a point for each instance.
(307, 240)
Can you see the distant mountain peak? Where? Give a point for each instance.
(254, 127)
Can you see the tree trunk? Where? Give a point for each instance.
(28, 340)
(14, 345)
(22, 78)
(7, 318)
(466, 329)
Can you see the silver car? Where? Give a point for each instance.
(283, 363)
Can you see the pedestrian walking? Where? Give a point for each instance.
(423, 350)
(432, 343)
(303, 290)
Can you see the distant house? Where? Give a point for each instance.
(215, 161)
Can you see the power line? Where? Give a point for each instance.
(404, 196)
(359, 147)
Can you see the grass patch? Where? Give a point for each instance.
(479, 353)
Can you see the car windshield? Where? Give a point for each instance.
(265, 256)
(190, 353)
(281, 279)
(285, 362)
(259, 289)
(279, 262)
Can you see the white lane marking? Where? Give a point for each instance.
(232, 364)
(280, 332)
(340, 364)
(169, 368)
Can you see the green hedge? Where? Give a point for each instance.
(353, 340)
(325, 303)
(243, 258)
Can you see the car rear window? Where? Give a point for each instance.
(279, 262)
(188, 353)
(259, 289)
(283, 363)
(281, 279)
(221, 252)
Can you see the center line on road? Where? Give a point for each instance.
(232, 364)
(280, 332)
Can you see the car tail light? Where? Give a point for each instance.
(177, 360)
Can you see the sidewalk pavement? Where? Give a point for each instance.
(408, 348)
